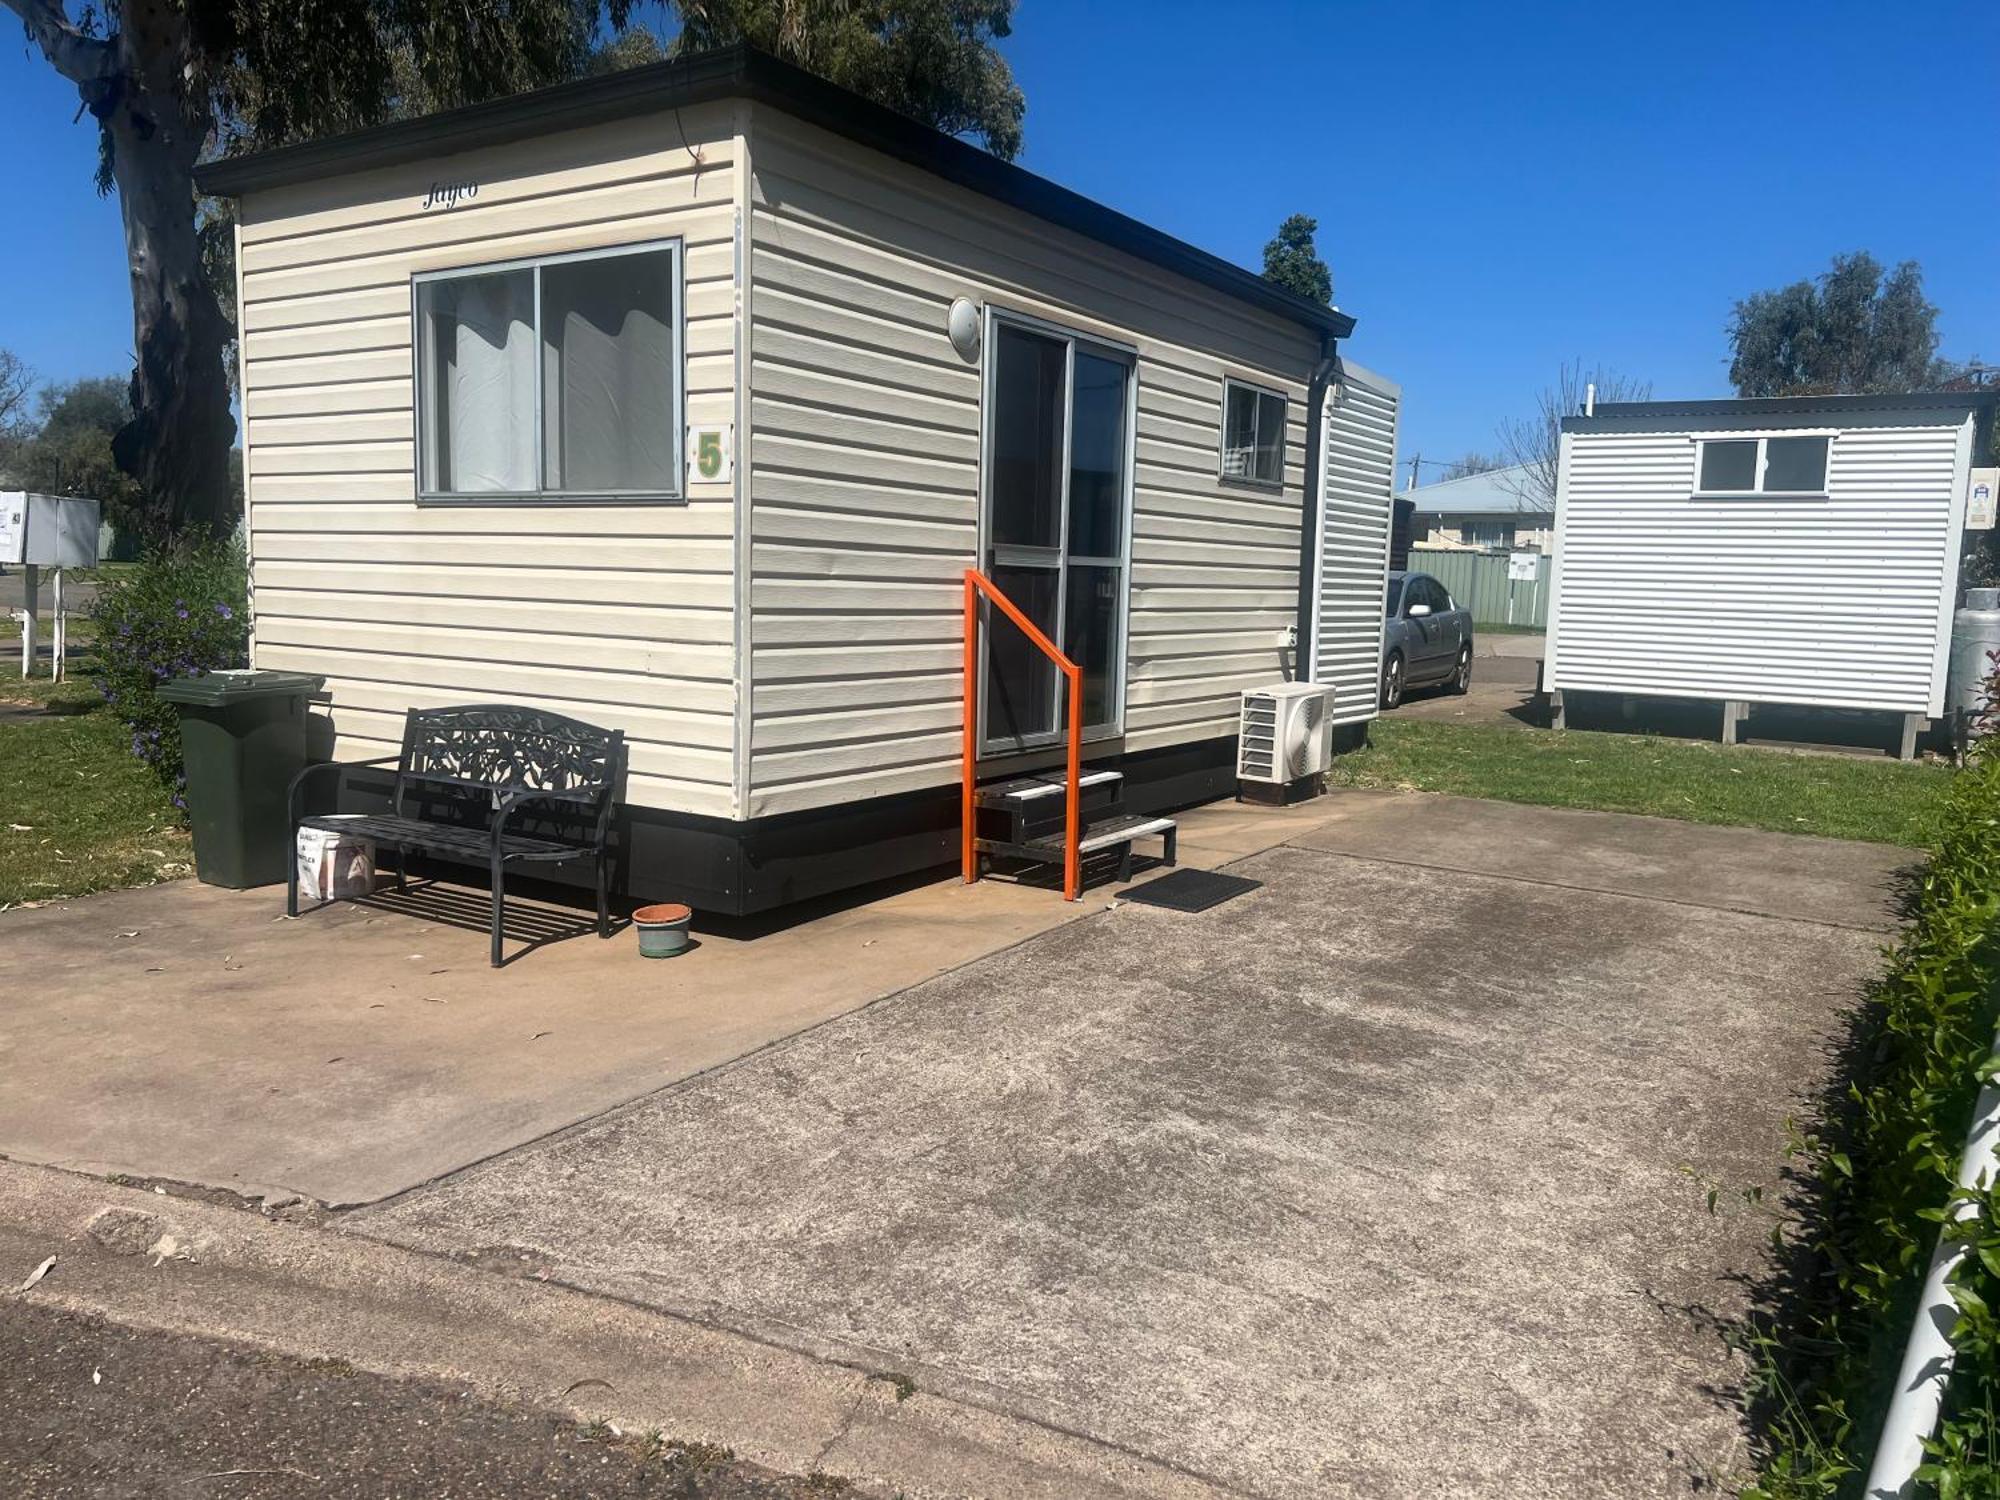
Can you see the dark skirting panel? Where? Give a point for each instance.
(736, 869)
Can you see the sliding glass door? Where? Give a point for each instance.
(1054, 528)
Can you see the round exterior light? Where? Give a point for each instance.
(962, 324)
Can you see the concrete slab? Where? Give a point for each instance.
(1735, 869)
(1373, 1182)
(1503, 693)
(192, 1033)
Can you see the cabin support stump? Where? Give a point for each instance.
(1734, 712)
(1913, 725)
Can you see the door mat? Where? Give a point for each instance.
(1190, 890)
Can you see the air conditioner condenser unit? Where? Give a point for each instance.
(1284, 734)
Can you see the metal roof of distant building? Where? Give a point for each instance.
(1781, 407)
(1495, 492)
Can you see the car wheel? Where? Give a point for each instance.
(1392, 681)
(1461, 678)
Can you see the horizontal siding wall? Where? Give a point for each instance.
(1830, 601)
(864, 479)
(621, 615)
(1354, 541)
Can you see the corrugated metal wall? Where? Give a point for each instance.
(1838, 600)
(1481, 582)
(1355, 520)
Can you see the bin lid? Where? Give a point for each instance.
(216, 689)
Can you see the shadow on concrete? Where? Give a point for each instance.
(535, 915)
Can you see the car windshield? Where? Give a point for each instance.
(1395, 597)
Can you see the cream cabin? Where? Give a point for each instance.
(681, 401)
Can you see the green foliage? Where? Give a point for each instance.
(68, 452)
(1292, 260)
(276, 71)
(933, 60)
(1886, 1171)
(1851, 332)
(180, 612)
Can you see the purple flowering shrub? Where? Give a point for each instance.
(180, 612)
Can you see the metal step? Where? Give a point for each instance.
(1119, 830)
(1104, 834)
(1021, 790)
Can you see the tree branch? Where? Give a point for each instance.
(78, 57)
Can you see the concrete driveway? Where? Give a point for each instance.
(1373, 1182)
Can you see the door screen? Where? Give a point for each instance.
(1058, 469)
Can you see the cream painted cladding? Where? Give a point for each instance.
(1354, 531)
(1842, 599)
(619, 614)
(863, 461)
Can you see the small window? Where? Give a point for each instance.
(1494, 534)
(1766, 466)
(554, 379)
(1795, 463)
(1394, 603)
(1253, 434)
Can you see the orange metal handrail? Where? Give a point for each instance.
(977, 583)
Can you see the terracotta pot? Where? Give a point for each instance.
(663, 929)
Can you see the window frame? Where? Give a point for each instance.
(1233, 383)
(1762, 438)
(995, 318)
(420, 400)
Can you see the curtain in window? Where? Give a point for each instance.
(608, 382)
(483, 337)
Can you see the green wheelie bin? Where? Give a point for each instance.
(243, 739)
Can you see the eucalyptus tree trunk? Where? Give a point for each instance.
(136, 83)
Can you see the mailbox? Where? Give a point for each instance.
(49, 531)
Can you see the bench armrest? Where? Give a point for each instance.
(299, 781)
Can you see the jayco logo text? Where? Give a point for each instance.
(450, 194)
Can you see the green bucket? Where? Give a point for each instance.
(663, 929)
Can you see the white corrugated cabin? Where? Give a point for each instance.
(639, 400)
(1792, 551)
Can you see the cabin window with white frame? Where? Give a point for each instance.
(552, 379)
(1761, 465)
(1253, 434)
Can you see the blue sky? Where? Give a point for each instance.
(1500, 187)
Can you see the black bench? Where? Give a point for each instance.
(463, 774)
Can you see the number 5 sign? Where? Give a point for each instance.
(709, 458)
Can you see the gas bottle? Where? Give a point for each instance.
(1975, 636)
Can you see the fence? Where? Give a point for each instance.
(1480, 581)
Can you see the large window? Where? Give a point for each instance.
(1761, 465)
(553, 379)
(1253, 434)
(1058, 471)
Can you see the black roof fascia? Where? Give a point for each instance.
(745, 72)
(1781, 406)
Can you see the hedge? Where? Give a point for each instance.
(1884, 1168)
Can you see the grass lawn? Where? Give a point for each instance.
(77, 812)
(1881, 801)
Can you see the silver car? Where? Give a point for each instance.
(1426, 639)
